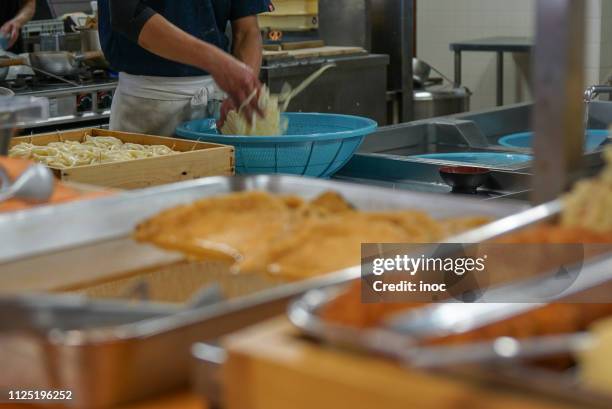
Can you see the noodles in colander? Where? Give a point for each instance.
(271, 123)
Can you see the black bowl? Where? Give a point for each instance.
(464, 179)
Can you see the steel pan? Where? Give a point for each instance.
(59, 63)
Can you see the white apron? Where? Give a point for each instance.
(157, 105)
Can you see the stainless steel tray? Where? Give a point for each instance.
(405, 346)
(445, 318)
(105, 366)
(76, 224)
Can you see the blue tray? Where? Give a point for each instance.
(595, 137)
(489, 159)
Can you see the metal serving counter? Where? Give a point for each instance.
(95, 242)
(421, 176)
(72, 106)
(387, 156)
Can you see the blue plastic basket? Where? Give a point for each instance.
(315, 145)
(594, 138)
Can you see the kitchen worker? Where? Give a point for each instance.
(171, 53)
(14, 14)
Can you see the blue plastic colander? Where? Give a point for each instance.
(594, 139)
(315, 145)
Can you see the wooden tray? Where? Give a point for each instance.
(300, 45)
(295, 7)
(270, 366)
(326, 51)
(289, 22)
(275, 55)
(304, 53)
(196, 160)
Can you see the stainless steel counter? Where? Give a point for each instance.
(421, 176)
(387, 156)
(72, 106)
(95, 240)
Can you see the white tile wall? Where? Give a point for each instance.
(605, 27)
(441, 22)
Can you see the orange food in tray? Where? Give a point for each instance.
(348, 310)
(220, 227)
(61, 194)
(288, 236)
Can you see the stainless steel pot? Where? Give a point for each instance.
(440, 101)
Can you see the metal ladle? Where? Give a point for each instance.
(35, 185)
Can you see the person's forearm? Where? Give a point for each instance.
(248, 48)
(139, 23)
(162, 38)
(28, 8)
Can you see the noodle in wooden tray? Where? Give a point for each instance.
(93, 150)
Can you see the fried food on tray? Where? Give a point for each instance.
(327, 203)
(322, 245)
(224, 227)
(286, 235)
(347, 309)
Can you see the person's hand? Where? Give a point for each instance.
(11, 30)
(227, 106)
(240, 83)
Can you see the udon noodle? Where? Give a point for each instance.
(271, 123)
(93, 150)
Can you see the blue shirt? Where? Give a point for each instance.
(204, 19)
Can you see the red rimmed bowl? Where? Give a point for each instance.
(464, 179)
